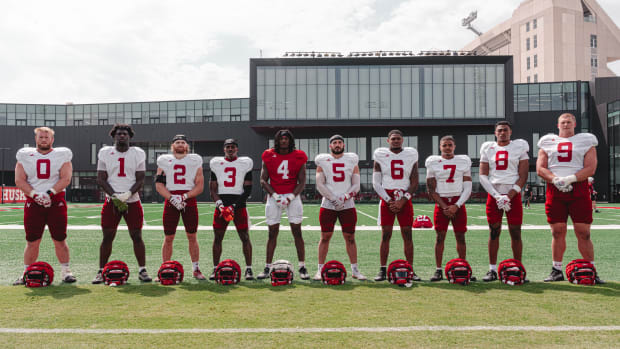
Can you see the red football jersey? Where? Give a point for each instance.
(283, 169)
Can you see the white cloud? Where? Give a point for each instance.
(60, 51)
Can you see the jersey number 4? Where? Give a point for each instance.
(43, 168)
(283, 169)
(565, 152)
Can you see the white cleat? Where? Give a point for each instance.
(359, 276)
(317, 276)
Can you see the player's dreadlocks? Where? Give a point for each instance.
(278, 137)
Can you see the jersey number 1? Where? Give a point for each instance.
(121, 168)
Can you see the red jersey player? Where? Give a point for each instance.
(43, 173)
(179, 180)
(504, 168)
(565, 161)
(448, 179)
(120, 173)
(395, 179)
(230, 187)
(283, 176)
(338, 180)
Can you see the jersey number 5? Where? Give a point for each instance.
(501, 160)
(565, 151)
(232, 174)
(179, 174)
(338, 172)
(452, 169)
(43, 168)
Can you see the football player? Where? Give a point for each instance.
(179, 180)
(283, 176)
(504, 168)
(448, 179)
(395, 180)
(230, 187)
(338, 180)
(43, 173)
(565, 161)
(120, 174)
(593, 193)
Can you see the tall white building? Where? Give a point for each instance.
(554, 40)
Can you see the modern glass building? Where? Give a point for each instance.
(613, 133)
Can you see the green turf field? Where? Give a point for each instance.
(306, 304)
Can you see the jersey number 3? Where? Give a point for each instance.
(232, 174)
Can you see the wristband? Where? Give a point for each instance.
(31, 195)
(219, 203)
(407, 195)
(516, 188)
(184, 196)
(50, 192)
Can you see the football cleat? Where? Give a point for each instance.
(555, 275)
(438, 276)
(68, 277)
(19, 282)
(382, 274)
(98, 278)
(599, 281)
(491, 276)
(303, 273)
(264, 274)
(212, 276)
(144, 276)
(415, 277)
(317, 276)
(249, 274)
(358, 275)
(198, 275)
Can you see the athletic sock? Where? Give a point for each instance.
(302, 264)
(195, 266)
(248, 267)
(557, 265)
(354, 268)
(493, 267)
(320, 267)
(141, 268)
(439, 268)
(26, 266)
(268, 265)
(64, 267)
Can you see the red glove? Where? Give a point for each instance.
(228, 213)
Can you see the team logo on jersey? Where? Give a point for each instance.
(31, 154)
(28, 205)
(60, 204)
(222, 163)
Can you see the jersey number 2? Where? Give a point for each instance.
(565, 151)
(43, 172)
(179, 174)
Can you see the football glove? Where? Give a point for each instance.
(123, 196)
(398, 194)
(177, 202)
(279, 199)
(288, 198)
(42, 199)
(228, 213)
(120, 206)
(503, 202)
(563, 183)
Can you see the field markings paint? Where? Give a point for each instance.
(314, 329)
(366, 214)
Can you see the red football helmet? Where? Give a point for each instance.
(115, 272)
(333, 273)
(400, 272)
(422, 221)
(511, 272)
(227, 272)
(458, 271)
(170, 273)
(281, 273)
(581, 271)
(38, 274)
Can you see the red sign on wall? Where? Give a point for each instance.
(13, 195)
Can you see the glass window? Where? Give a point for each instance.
(534, 23)
(535, 61)
(593, 41)
(527, 44)
(527, 26)
(535, 41)
(528, 63)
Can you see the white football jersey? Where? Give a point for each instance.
(338, 173)
(43, 170)
(121, 168)
(565, 155)
(230, 174)
(395, 168)
(504, 162)
(448, 173)
(180, 173)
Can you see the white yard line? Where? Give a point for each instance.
(314, 329)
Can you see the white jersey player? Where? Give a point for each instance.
(504, 168)
(395, 180)
(448, 179)
(230, 187)
(338, 180)
(42, 173)
(120, 174)
(565, 161)
(179, 181)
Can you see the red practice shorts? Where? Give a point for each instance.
(241, 220)
(405, 216)
(110, 216)
(171, 215)
(576, 204)
(37, 216)
(347, 218)
(459, 222)
(514, 216)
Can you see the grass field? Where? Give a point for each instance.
(308, 305)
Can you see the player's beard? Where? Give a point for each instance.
(396, 149)
(337, 152)
(44, 147)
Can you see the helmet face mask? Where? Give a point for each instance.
(458, 271)
(511, 272)
(581, 272)
(38, 274)
(400, 272)
(115, 272)
(333, 273)
(228, 272)
(281, 273)
(170, 273)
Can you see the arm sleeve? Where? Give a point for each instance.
(248, 176)
(487, 185)
(247, 190)
(321, 187)
(213, 176)
(465, 193)
(355, 184)
(377, 185)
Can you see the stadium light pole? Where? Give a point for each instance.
(2, 170)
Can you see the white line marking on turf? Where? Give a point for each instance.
(313, 329)
(366, 214)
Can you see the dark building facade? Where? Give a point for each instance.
(362, 99)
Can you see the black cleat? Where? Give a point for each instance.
(303, 273)
(599, 281)
(382, 275)
(98, 278)
(597, 211)
(264, 274)
(212, 276)
(19, 282)
(473, 279)
(144, 276)
(249, 274)
(556, 275)
(416, 277)
(491, 276)
(438, 276)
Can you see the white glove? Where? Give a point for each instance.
(279, 199)
(398, 194)
(177, 202)
(502, 202)
(123, 196)
(43, 199)
(288, 198)
(563, 183)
